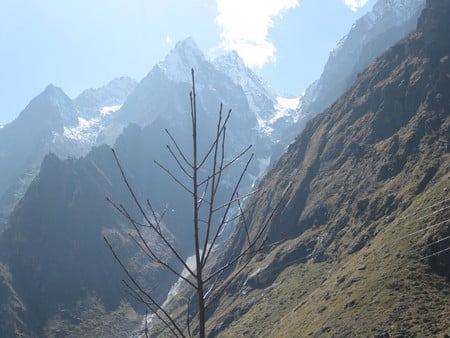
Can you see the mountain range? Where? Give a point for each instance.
(372, 151)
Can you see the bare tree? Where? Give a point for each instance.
(210, 216)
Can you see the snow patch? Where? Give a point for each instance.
(87, 129)
(284, 103)
(85, 132)
(107, 110)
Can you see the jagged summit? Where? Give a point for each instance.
(261, 97)
(52, 105)
(51, 87)
(178, 63)
(232, 64)
(52, 91)
(384, 13)
(403, 9)
(388, 22)
(112, 95)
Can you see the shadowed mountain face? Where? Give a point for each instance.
(54, 245)
(362, 172)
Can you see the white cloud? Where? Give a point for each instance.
(169, 40)
(355, 5)
(245, 26)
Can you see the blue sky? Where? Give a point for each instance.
(80, 44)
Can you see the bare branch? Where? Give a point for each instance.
(202, 198)
(138, 204)
(220, 133)
(139, 287)
(178, 148)
(244, 221)
(120, 208)
(178, 162)
(157, 221)
(173, 177)
(222, 156)
(236, 200)
(254, 241)
(233, 160)
(227, 209)
(213, 190)
(214, 143)
(220, 290)
(135, 295)
(154, 257)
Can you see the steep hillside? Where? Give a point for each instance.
(365, 228)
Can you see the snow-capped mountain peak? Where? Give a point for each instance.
(94, 122)
(383, 13)
(178, 63)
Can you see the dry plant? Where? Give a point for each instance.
(208, 222)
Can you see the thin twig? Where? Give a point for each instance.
(181, 184)
(178, 148)
(138, 204)
(135, 283)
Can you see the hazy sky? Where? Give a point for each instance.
(80, 44)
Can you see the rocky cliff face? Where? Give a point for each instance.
(391, 119)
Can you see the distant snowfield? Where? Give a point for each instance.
(284, 107)
(87, 130)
